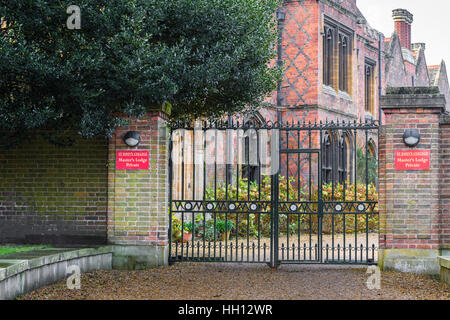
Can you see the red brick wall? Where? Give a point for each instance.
(352, 105)
(302, 90)
(138, 200)
(300, 53)
(302, 44)
(404, 31)
(409, 200)
(445, 184)
(52, 194)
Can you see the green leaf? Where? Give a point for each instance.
(195, 58)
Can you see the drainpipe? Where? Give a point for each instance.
(379, 78)
(281, 16)
(379, 104)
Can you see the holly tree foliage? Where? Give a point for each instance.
(205, 58)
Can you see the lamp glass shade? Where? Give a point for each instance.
(132, 138)
(411, 137)
(410, 141)
(281, 16)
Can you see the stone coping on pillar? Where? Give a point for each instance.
(427, 103)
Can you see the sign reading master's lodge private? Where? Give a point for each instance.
(412, 160)
(132, 160)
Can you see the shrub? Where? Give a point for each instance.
(209, 231)
(338, 195)
(328, 194)
(243, 193)
(372, 171)
(255, 223)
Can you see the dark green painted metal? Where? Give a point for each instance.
(309, 246)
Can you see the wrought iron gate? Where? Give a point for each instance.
(274, 193)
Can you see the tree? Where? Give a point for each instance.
(204, 57)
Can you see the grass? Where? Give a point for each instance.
(7, 249)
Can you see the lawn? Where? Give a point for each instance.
(7, 249)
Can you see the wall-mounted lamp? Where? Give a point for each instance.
(281, 16)
(132, 138)
(411, 137)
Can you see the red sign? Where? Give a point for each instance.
(132, 160)
(412, 160)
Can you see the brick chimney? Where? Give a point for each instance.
(403, 20)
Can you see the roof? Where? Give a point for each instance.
(360, 16)
(433, 73)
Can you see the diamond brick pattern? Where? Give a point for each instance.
(297, 61)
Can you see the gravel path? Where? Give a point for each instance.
(196, 281)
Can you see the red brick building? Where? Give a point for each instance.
(332, 62)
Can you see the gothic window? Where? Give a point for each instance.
(249, 169)
(342, 159)
(335, 159)
(328, 55)
(337, 49)
(369, 88)
(327, 159)
(344, 58)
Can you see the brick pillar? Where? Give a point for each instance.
(409, 200)
(444, 234)
(138, 199)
